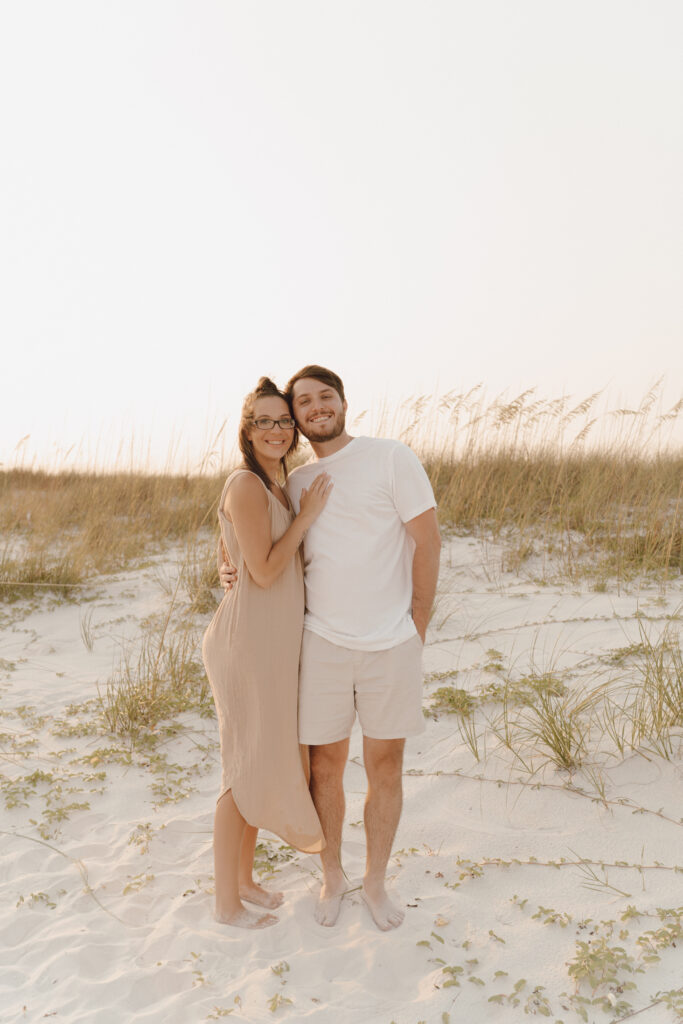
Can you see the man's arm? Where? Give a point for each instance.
(424, 529)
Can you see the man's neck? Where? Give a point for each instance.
(324, 448)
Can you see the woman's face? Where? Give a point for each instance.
(272, 442)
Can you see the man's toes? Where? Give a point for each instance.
(324, 917)
(327, 910)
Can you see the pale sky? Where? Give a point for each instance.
(422, 195)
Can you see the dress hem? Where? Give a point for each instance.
(317, 848)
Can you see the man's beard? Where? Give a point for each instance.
(311, 433)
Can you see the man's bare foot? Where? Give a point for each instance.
(329, 902)
(254, 893)
(385, 913)
(246, 919)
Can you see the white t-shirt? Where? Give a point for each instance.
(358, 555)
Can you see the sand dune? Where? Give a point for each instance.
(106, 866)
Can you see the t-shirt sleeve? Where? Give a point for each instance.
(411, 488)
(294, 488)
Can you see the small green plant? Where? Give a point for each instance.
(653, 941)
(141, 836)
(223, 1011)
(513, 998)
(602, 967)
(279, 970)
(549, 916)
(673, 1000)
(137, 882)
(198, 976)
(452, 975)
(453, 700)
(36, 899)
(269, 856)
(495, 661)
(278, 1000)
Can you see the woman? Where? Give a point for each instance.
(251, 655)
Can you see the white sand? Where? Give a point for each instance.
(97, 927)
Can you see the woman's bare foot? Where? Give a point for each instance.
(246, 919)
(254, 893)
(329, 901)
(386, 914)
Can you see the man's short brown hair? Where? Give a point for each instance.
(319, 373)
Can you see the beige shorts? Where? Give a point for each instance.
(384, 687)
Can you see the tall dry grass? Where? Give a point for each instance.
(615, 513)
(601, 493)
(56, 530)
(155, 683)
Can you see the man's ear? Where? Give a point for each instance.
(345, 405)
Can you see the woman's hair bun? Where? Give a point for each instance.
(266, 386)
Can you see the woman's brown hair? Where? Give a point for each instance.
(264, 389)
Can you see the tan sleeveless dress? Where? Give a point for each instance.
(251, 655)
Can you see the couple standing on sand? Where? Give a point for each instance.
(365, 512)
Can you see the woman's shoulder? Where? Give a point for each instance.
(244, 485)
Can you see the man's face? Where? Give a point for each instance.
(319, 412)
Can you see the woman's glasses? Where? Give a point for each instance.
(265, 423)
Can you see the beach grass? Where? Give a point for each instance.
(633, 706)
(522, 471)
(76, 525)
(602, 495)
(153, 682)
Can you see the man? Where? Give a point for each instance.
(371, 563)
